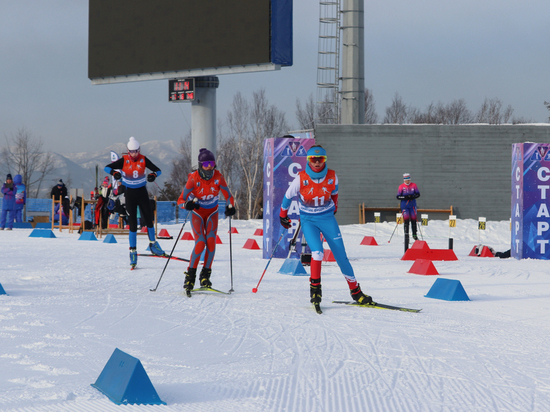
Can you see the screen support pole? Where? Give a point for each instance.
(203, 116)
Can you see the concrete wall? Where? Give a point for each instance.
(466, 166)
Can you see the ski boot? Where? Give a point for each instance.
(205, 278)
(189, 282)
(316, 294)
(360, 297)
(415, 237)
(155, 249)
(133, 258)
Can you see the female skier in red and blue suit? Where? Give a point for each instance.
(200, 195)
(408, 193)
(317, 191)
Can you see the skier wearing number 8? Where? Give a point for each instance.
(317, 191)
(200, 196)
(134, 178)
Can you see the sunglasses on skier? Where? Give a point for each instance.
(317, 159)
(208, 163)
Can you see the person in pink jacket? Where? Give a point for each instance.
(408, 193)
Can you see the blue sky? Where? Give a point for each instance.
(427, 51)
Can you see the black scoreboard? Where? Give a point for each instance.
(180, 90)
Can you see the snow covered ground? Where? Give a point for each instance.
(70, 303)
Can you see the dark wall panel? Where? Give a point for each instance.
(466, 166)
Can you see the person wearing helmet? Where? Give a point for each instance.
(317, 191)
(131, 169)
(200, 196)
(408, 193)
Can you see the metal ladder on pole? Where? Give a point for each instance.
(328, 63)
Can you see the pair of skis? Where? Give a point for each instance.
(373, 305)
(189, 293)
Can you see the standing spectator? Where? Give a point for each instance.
(200, 196)
(408, 193)
(317, 191)
(134, 178)
(20, 198)
(9, 189)
(101, 210)
(59, 192)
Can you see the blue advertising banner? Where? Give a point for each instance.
(530, 194)
(284, 158)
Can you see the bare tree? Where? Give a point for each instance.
(397, 112)
(547, 104)
(458, 113)
(521, 120)
(227, 161)
(326, 112)
(491, 112)
(306, 116)
(249, 125)
(24, 155)
(181, 167)
(370, 110)
(455, 112)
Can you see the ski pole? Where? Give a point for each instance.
(171, 253)
(230, 256)
(254, 290)
(419, 226)
(292, 244)
(393, 232)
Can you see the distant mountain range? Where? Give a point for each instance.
(78, 170)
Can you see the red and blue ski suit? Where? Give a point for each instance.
(408, 195)
(204, 221)
(318, 202)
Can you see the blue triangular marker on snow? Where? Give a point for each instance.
(2, 291)
(292, 267)
(87, 236)
(110, 238)
(124, 381)
(447, 289)
(22, 225)
(42, 233)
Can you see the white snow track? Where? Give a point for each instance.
(71, 303)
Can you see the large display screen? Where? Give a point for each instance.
(132, 37)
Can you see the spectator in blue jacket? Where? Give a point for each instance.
(8, 203)
(20, 197)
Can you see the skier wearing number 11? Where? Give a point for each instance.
(317, 191)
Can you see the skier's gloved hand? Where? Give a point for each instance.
(285, 222)
(229, 210)
(401, 197)
(191, 205)
(116, 174)
(151, 177)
